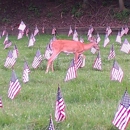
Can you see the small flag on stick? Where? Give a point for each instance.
(116, 72)
(37, 59)
(10, 60)
(60, 107)
(14, 86)
(112, 53)
(122, 116)
(71, 72)
(51, 125)
(26, 72)
(97, 63)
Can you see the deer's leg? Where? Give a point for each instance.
(83, 58)
(50, 61)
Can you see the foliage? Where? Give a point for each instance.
(91, 99)
(122, 15)
(77, 10)
(34, 9)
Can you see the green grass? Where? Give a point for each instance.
(91, 99)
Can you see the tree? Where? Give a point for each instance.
(121, 5)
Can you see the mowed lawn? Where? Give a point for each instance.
(91, 99)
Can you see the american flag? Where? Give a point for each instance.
(81, 39)
(98, 38)
(48, 51)
(27, 31)
(122, 31)
(20, 34)
(60, 107)
(6, 39)
(75, 35)
(70, 31)
(90, 30)
(31, 40)
(53, 31)
(10, 60)
(22, 26)
(4, 32)
(7, 44)
(112, 53)
(97, 62)
(125, 46)
(118, 37)
(36, 31)
(116, 72)
(43, 29)
(1, 104)
(126, 29)
(106, 40)
(37, 59)
(51, 124)
(122, 116)
(72, 72)
(108, 30)
(79, 63)
(14, 86)
(15, 52)
(26, 72)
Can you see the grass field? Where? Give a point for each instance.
(91, 99)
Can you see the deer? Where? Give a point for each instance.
(69, 46)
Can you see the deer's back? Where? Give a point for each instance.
(67, 45)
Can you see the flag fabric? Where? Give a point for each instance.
(60, 107)
(75, 35)
(10, 60)
(122, 116)
(53, 31)
(79, 63)
(81, 39)
(4, 32)
(122, 32)
(90, 30)
(51, 124)
(93, 50)
(6, 39)
(26, 72)
(98, 38)
(106, 40)
(15, 52)
(43, 29)
(70, 31)
(118, 37)
(97, 62)
(7, 44)
(108, 30)
(37, 59)
(14, 86)
(36, 31)
(27, 31)
(22, 26)
(31, 40)
(1, 104)
(125, 46)
(48, 51)
(116, 72)
(20, 34)
(112, 53)
(126, 29)
(71, 72)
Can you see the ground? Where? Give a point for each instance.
(60, 14)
